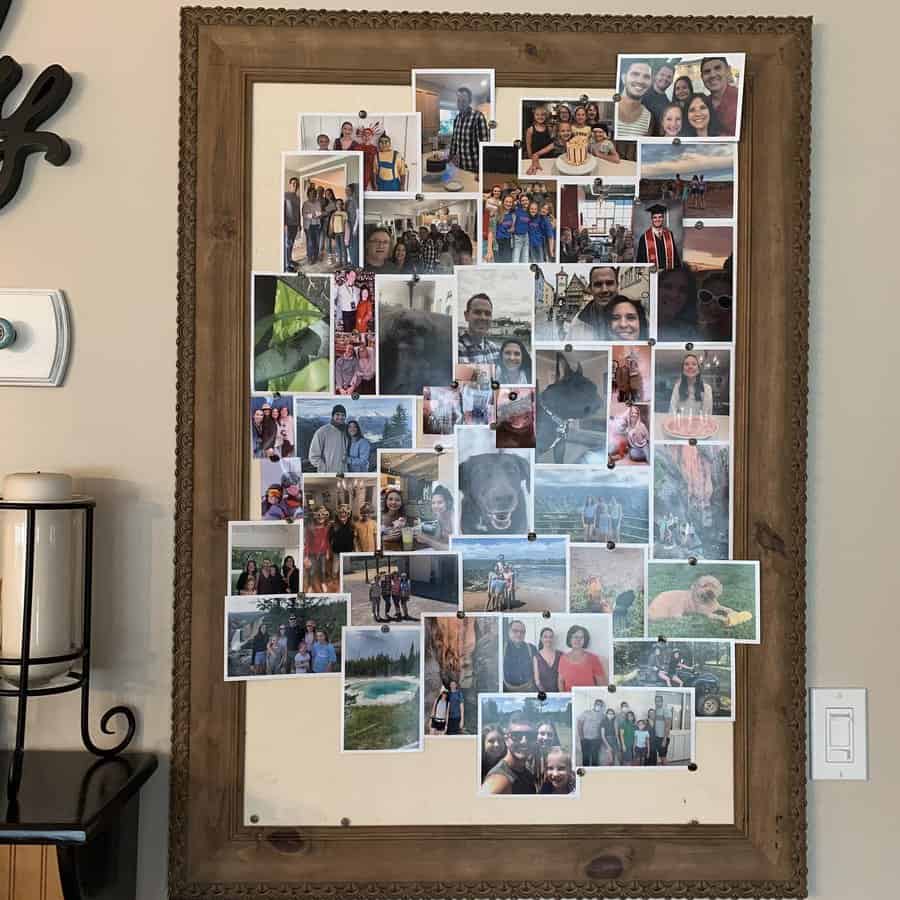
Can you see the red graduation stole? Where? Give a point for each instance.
(669, 244)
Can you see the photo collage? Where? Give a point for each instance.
(491, 419)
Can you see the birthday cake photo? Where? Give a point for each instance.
(576, 160)
(686, 426)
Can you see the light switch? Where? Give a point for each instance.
(837, 721)
(839, 735)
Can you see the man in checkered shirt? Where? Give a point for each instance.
(469, 129)
(430, 250)
(473, 345)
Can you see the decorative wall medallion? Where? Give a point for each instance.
(19, 130)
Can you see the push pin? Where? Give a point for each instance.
(385, 629)
(676, 141)
(611, 464)
(420, 196)
(254, 819)
(692, 442)
(378, 553)
(692, 767)
(584, 99)
(340, 474)
(542, 696)
(454, 384)
(355, 395)
(276, 395)
(616, 98)
(534, 268)
(654, 268)
(568, 348)
(579, 771)
(532, 536)
(610, 545)
(363, 114)
(493, 426)
(416, 278)
(698, 223)
(662, 639)
(517, 144)
(611, 688)
(629, 402)
(692, 560)
(637, 201)
(495, 385)
(652, 342)
(689, 345)
(546, 613)
(492, 124)
(345, 822)
(438, 448)
(513, 395)
(460, 614)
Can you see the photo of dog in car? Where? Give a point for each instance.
(717, 600)
(494, 486)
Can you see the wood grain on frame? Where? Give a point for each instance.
(224, 53)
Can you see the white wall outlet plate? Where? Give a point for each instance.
(35, 337)
(837, 734)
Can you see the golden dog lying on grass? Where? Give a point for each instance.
(702, 599)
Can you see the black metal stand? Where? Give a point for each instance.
(78, 680)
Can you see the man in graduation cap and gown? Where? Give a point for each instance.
(657, 244)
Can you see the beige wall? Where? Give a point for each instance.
(103, 228)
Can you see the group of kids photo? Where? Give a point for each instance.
(519, 224)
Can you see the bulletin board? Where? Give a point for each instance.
(734, 826)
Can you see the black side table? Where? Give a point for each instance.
(88, 809)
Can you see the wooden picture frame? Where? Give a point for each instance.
(763, 852)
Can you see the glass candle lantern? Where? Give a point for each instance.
(55, 577)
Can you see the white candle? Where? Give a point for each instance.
(56, 591)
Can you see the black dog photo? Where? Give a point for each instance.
(493, 486)
(571, 406)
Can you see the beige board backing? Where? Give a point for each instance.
(437, 786)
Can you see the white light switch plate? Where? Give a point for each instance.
(837, 734)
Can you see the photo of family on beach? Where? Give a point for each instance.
(702, 176)
(685, 95)
(382, 688)
(634, 726)
(513, 574)
(268, 637)
(705, 666)
(525, 746)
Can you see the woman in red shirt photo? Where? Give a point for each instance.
(579, 667)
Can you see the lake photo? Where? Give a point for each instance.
(382, 689)
(513, 574)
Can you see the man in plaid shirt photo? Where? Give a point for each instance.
(469, 129)
(473, 345)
